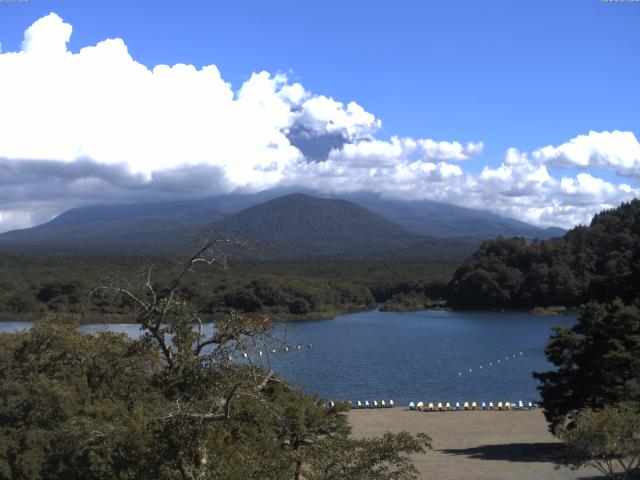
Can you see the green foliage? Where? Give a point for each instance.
(598, 262)
(73, 406)
(385, 458)
(171, 405)
(597, 360)
(607, 439)
(30, 286)
(297, 296)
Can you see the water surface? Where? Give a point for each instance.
(409, 356)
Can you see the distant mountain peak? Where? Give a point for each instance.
(288, 220)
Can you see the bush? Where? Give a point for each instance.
(607, 439)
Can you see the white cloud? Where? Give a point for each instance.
(102, 104)
(616, 150)
(97, 126)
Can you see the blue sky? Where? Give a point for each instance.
(521, 75)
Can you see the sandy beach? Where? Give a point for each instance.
(474, 445)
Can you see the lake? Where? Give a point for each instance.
(410, 356)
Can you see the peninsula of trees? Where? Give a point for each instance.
(596, 262)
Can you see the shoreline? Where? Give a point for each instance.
(474, 445)
(92, 318)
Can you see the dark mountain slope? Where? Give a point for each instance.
(299, 217)
(111, 231)
(162, 227)
(299, 225)
(443, 220)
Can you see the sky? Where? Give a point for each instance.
(528, 109)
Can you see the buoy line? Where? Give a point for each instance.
(496, 363)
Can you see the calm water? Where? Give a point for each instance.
(410, 356)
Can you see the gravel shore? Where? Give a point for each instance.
(474, 445)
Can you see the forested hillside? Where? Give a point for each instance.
(596, 262)
(33, 285)
(284, 224)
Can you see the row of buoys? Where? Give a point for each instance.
(492, 364)
(448, 407)
(374, 404)
(285, 349)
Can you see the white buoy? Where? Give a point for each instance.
(244, 355)
(412, 406)
(260, 352)
(391, 405)
(459, 374)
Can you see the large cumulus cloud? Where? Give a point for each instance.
(98, 126)
(616, 150)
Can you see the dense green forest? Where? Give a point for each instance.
(596, 262)
(32, 285)
(178, 403)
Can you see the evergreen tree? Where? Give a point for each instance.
(597, 360)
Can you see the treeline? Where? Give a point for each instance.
(599, 262)
(31, 286)
(176, 403)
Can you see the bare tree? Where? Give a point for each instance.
(208, 364)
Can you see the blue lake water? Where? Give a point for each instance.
(410, 356)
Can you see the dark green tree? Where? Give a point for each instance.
(599, 262)
(75, 406)
(597, 362)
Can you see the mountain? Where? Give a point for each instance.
(301, 225)
(288, 222)
(134, 228)
(443, 220)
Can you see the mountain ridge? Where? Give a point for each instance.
(292, 222)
